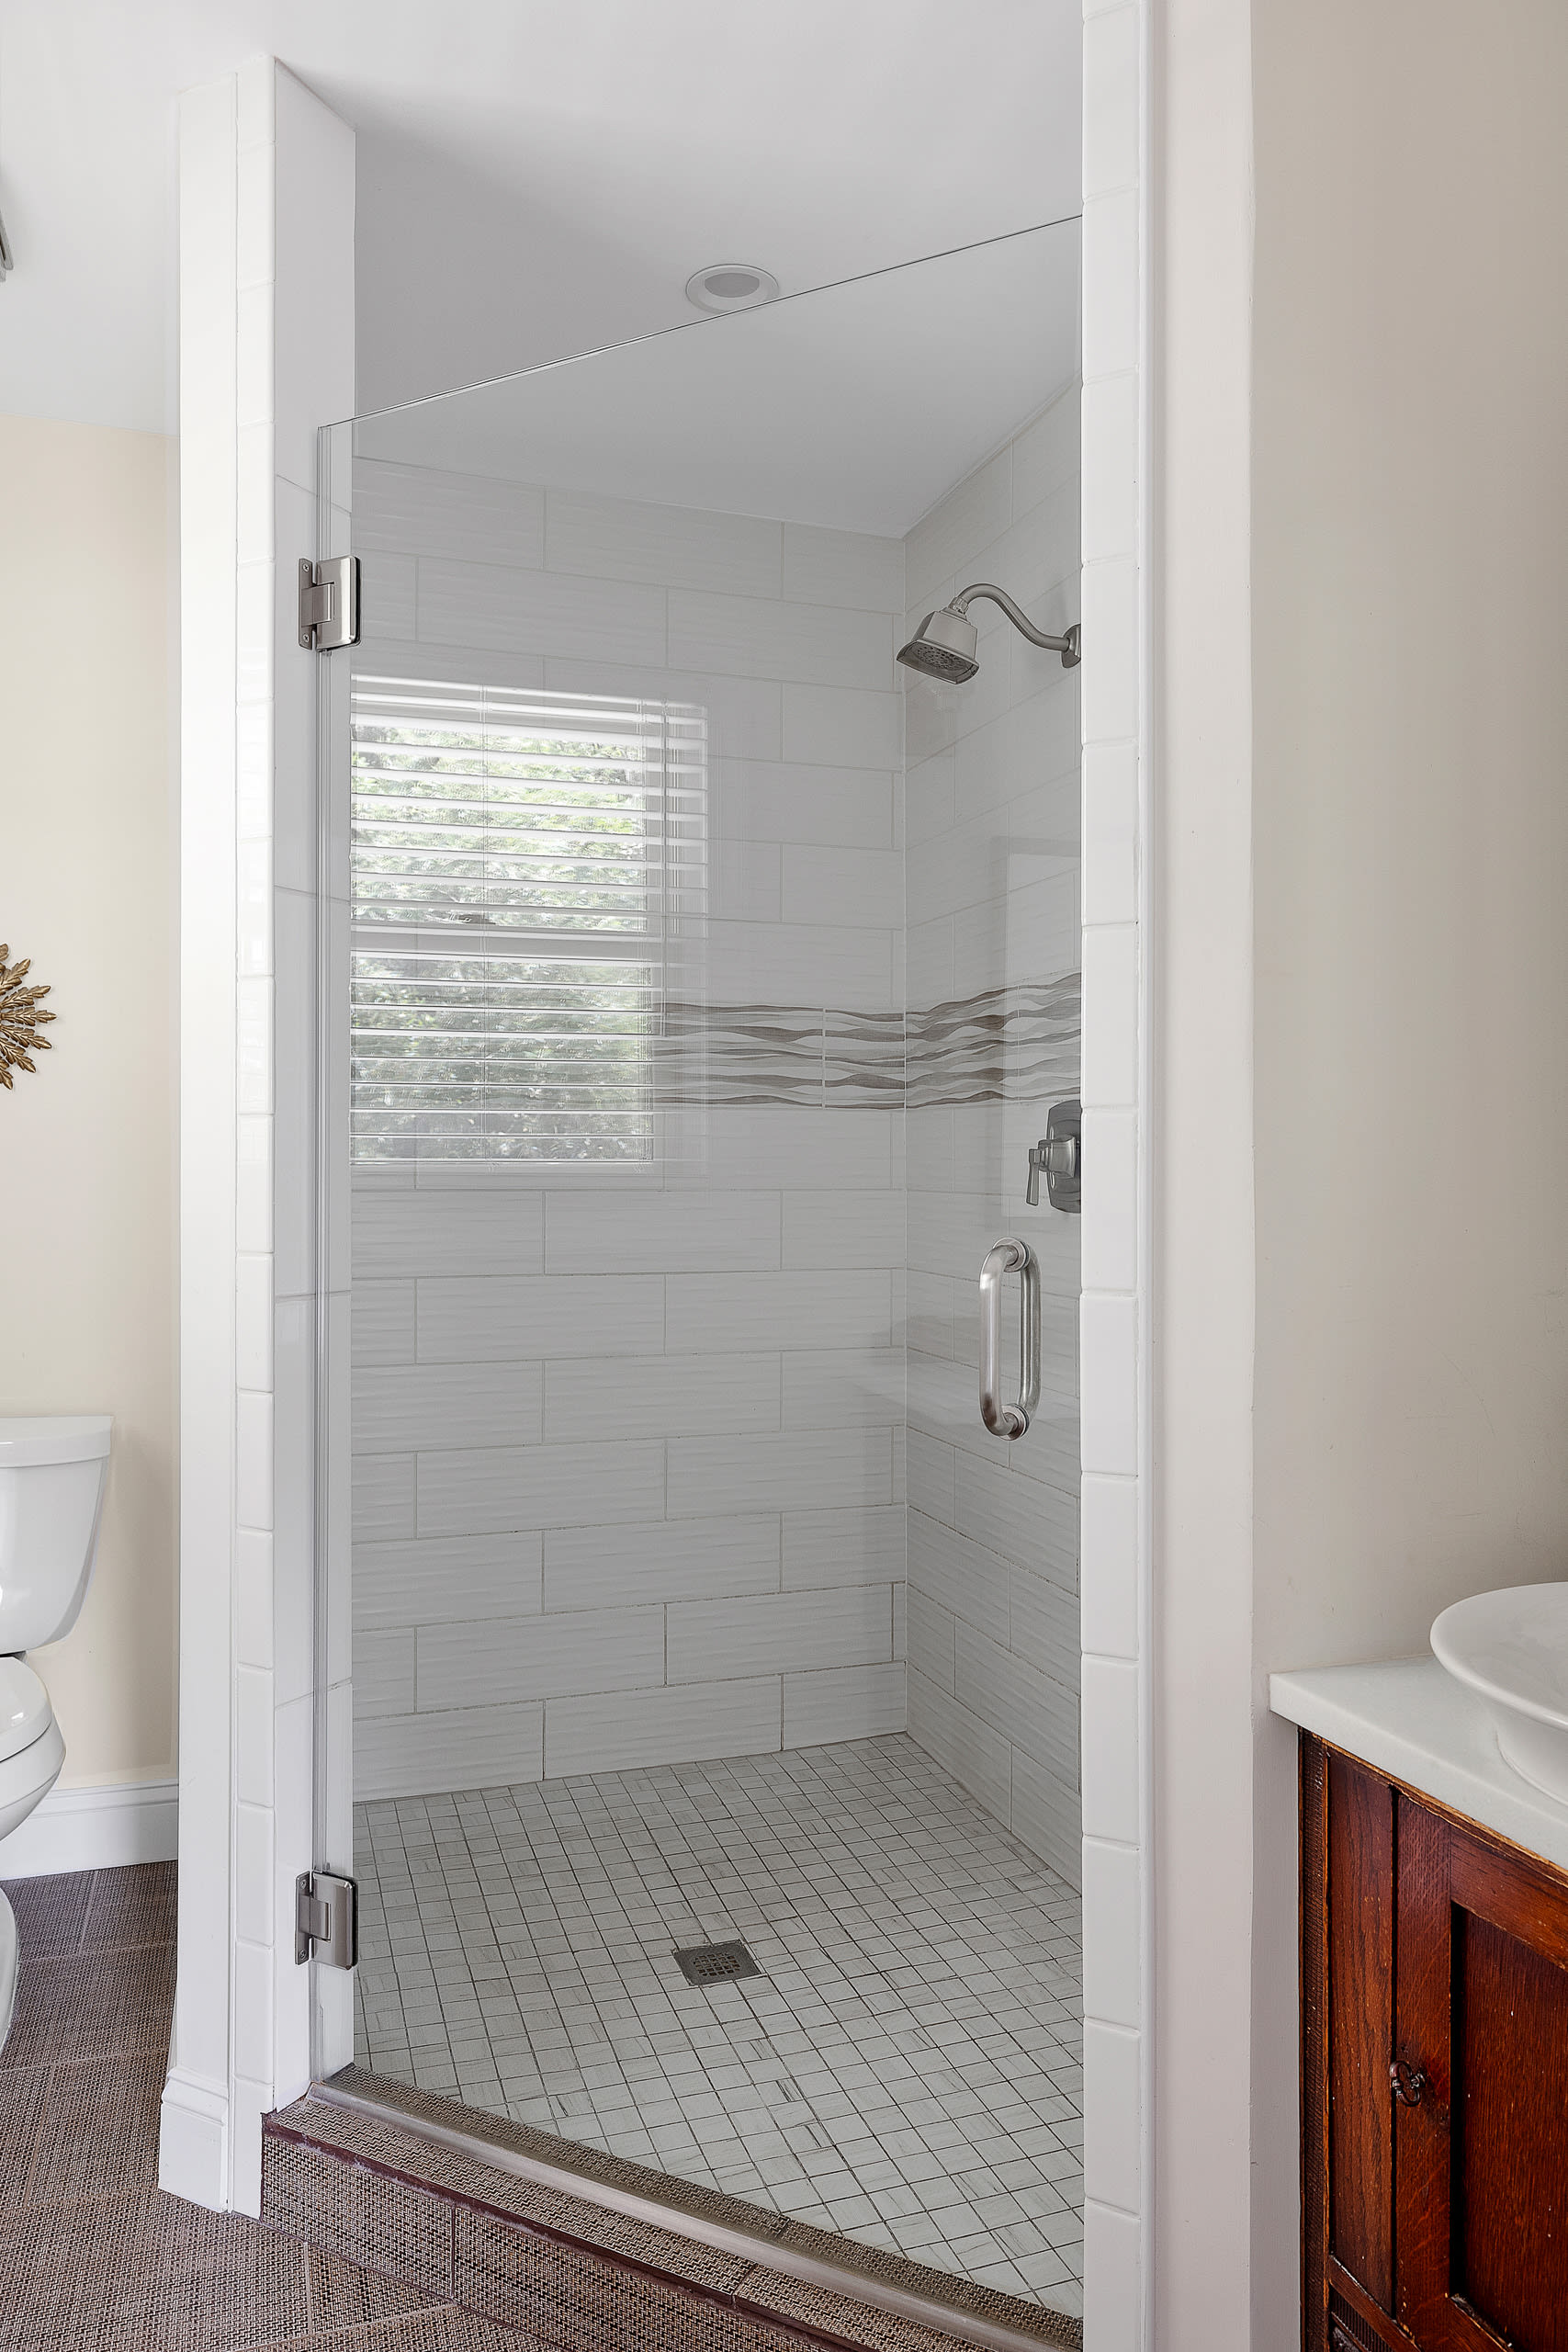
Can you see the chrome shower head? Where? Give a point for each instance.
(945, 645)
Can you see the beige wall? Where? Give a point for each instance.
(1361, 997)
(86, 1158)
(1411, 614)
(1411, 817)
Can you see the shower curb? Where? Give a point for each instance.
(585, 2253)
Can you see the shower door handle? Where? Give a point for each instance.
(1009, 1257)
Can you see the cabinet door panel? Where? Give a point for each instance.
(1510, 2191)
(1435, 2220)
(1360, 2025)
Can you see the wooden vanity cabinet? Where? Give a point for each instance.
(1434, 2075)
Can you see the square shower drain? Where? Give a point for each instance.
(715, 1963)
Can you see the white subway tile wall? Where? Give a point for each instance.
(625, 1473)
(993, 902)
(630, 1453)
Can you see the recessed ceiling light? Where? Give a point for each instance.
(731, 286)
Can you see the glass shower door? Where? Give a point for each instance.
(703, 1671)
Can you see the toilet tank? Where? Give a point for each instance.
(52, 1469)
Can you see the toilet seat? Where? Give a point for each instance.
(25, 1712)
(31, 1750)
(25, 1777)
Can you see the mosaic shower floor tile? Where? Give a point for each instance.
(904, 2068)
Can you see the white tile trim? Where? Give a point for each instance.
(265, 353)
(194, 2141)
(1115, 1357)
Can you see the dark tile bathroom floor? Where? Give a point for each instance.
(94, 2256)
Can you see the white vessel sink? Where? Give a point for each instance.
(1511, 1649)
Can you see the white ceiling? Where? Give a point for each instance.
(536, 177)
(856, 407)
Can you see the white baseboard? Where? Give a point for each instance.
(193, 2139)
(94, 1829)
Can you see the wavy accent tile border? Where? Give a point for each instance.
(738, 1053)
(1015, 1044)
(1009, 1045)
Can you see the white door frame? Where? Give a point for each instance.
(267, 350)
(267, 355)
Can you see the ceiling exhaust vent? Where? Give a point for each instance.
(731, 286)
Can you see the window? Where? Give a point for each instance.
(522, 866)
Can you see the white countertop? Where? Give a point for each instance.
(1411, 1720)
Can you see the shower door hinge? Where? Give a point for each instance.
(326, 1919)
(329, 602)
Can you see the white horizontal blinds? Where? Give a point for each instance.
(524, 866)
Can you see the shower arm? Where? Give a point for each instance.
(1020, 619)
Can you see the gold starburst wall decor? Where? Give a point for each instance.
(20, 1019)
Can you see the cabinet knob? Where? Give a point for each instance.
(1406, 2083)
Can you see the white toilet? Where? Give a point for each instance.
(51, 1494)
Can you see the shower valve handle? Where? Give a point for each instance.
(1058, 1156)
(1053, 1156)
